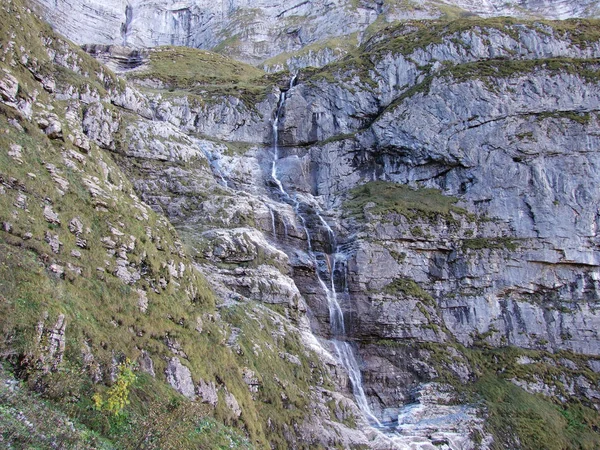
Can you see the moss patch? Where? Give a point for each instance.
(409, 288)
(384, 198)
(490, 243)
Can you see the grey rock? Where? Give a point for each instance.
(180, 378)
(207, 392)
(57, 269)
(15, 152)
(76, 226)
(53, 241)
(142, 300)
(51, 343)
(175, 347)
(50, 123)
(251, 380)
(269, 28)
(90, 363)
(50, 215)
(9, 87)
(594, 365)
(100, 125)
(146, 364)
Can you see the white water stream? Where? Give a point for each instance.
(325, 275)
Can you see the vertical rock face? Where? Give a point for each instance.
(256, 30)
(50, 342)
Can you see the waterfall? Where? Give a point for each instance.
(326, 276)
(273, 227)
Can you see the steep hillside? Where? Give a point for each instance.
(396, 250)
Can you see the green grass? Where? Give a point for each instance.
(385, 198)
(518, 419)
(409, 288)
(575, 116)
(205, 73)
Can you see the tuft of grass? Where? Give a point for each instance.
(385, 198)
(409, 288)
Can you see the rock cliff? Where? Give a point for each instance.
(257, 30)
(426, 205)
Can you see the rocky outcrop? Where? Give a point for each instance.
(180, 377)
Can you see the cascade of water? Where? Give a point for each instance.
(275, 127)
(273, 223)
(327, 277)
(285, 227)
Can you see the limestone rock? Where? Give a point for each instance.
(146, 364)
(9, 87)
(51, 343)
(207, 392)
(76, 226)
(142, 300)
(50, 215)
(100, 125)
(180, 378)
(53, 241)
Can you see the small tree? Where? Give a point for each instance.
(117, 396)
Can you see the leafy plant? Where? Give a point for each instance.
(117, 396)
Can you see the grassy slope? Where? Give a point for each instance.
(206, 74)
(100, 310)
